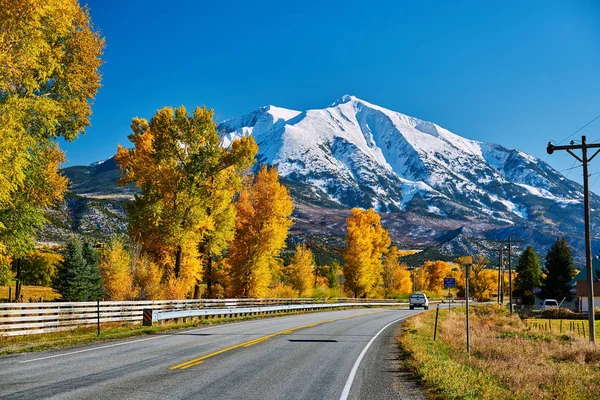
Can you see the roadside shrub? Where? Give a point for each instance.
(557, 313)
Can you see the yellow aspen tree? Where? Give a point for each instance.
(366, 242)
(262, 225)
(482, 279)
(435, 272)
(147, 277)
(49, 75)
(396, 278)
(178, 163)
(301, 272)
(117, 273)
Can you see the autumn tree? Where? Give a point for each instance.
(217, 240)
(366, 242)
(396, 278)
(300, 273)
(528, 276)
(50, 58)
(186, 179)
(262, 224)
(435, 272)
(39, 267)
(559, 270)
(117, 271)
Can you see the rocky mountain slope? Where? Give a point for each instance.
(433, 187)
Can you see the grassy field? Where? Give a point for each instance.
(510, 358)
(30, 293)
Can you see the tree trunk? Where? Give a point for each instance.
(209, 292)
(196, 291)
(18, 286)
(178, 260)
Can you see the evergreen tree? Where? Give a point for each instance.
(528, 276)
(93, 276)
(76, 280)
(558, 272)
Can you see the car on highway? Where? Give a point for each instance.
(418, 300)
(549, 303)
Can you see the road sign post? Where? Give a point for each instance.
(449, 283)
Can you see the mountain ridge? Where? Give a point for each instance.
(425, 180)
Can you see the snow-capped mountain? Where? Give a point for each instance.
(360, 154)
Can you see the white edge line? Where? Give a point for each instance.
(346, 391)
(129, 342)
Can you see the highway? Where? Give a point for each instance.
(347, 354)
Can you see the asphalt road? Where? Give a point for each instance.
(327, 355)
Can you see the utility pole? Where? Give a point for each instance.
(510, 288)
(501, 278)
(584, 146)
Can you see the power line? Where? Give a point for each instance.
(578, 130)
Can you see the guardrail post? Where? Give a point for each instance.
(147, 319)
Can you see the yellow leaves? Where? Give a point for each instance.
(188, 182)
(435, 272)
(51, 55)
(262, 224)
(300, 272)
(50, 59)
(367, 243)
(117, 273)
(396, 278)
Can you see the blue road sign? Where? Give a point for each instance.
(449, 283)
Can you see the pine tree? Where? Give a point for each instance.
(93, 276)
(559, 270)
(76, 280)
(528, 276)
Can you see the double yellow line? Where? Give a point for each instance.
(200, 360)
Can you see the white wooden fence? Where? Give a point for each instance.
(31, 318)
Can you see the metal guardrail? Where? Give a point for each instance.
(151, 316)
(34, 318)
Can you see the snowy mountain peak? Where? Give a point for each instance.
(345, 99)
(360, 154)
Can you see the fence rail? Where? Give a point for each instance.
(32, 318)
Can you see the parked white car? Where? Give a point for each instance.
(418, 300)
(549, 303)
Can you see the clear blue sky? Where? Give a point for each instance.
(515, 73)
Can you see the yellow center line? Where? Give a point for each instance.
(200, 360)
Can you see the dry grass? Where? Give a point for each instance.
(31, 293)
(508, 360)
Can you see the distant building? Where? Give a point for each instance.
(581, 285)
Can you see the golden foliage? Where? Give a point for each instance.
(483, 281)
(147, 279)
(187, 181)
(300, 272)
(262, 224)
(367, 242)
(282, 291)
(435, 272)
(117, 274)
(396, 278)
(50, 58)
